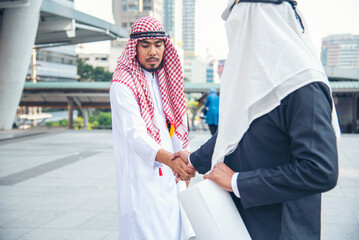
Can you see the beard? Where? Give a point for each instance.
(153, 69)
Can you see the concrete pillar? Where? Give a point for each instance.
(86, 118)
(17, 37)
(83, 112)
(354, 113)
(70, 110)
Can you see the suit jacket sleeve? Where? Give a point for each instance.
(313, 167)
(201, 159)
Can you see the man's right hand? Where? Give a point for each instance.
(184, 171)
(183, 155)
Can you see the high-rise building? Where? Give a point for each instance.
(340, 50)
(211, 72)
(214, 70)
(172, 19)
(221, 67)
(126, 12)
(190, 27)
(194, 69)
(96, 60)
(54, 64)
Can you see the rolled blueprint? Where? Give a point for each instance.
(212, 212)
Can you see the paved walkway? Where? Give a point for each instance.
(57, 185)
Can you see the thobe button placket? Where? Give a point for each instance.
(156, 101)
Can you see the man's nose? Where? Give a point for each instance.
(152, 50)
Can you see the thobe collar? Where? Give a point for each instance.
(153, 84)
(149, 75)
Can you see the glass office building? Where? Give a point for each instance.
(340, 50)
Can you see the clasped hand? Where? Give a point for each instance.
(221, 173)
(181, 166)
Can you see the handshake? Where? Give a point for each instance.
(221, 174)
(181, 167)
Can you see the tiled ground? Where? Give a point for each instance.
(61, 185)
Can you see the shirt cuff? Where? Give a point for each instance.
(156, 164)
(189, 160)
(234, 185)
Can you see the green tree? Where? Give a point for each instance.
(89, 73)
(99, 74)
(84, 70)
(104, 119)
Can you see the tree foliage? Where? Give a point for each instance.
(98, 120)
(89, 73)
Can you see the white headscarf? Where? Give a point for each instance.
(270, 56)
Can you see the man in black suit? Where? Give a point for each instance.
(275, 150)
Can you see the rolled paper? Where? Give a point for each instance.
(212, 212)
(186, 225)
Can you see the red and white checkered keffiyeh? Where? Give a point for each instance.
(129, 72)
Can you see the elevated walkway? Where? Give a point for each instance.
(95, 94)
(62, 25)
(82, 95)
(28, 24)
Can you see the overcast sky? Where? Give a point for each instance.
(324, 17)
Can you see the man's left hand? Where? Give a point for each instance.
(222, 176)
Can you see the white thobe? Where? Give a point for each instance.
(148, 204)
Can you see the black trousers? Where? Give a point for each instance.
(213, 128)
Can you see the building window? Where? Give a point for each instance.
(132, 8)
(54, 57)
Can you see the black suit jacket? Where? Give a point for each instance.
(285, 160)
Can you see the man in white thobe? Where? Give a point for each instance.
(149, 124)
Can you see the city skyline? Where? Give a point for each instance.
(324, 17)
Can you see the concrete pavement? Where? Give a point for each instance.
(60, 184)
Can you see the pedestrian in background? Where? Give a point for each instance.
(212, 107)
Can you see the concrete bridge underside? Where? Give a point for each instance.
(83, 95)
(28, 24)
